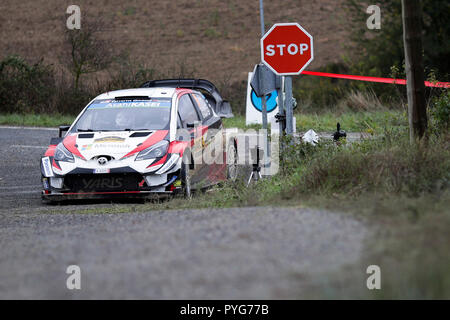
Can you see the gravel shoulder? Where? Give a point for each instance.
(235, 253)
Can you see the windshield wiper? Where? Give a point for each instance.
(85, 130)
(136, 129)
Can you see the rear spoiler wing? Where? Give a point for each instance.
(221, 107)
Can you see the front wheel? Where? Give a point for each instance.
(186, 179)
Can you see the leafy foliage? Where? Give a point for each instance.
(25, 87)
(88, 52)
(440, 111)
(378, 50)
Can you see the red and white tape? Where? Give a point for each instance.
(373, 79)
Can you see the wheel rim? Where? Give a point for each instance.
(232, 163)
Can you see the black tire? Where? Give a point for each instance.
(232, 162)
(186, 178)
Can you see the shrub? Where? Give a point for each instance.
(440, 111)
(378, 50)
(25, 87)
(386, 165)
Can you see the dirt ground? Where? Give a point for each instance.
(219, 40)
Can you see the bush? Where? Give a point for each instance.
(440, 111)
(387, 165)
(35, 88)
(320, 94)
(24, 87)
(379, 50)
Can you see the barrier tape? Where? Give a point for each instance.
(373, 79)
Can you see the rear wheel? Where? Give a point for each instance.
(186, 178)
(232, 162)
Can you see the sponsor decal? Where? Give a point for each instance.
(110, 139)
(48, 172)
(100, 104)
(177, 183)
(115, 146)
(105, 183)
(45, 183)
(86, 147)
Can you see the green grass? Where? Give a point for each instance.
(35, 120)
(374, 121)
(409, 242)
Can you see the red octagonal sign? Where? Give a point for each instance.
(287, 49)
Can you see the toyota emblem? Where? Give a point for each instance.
(102, 161)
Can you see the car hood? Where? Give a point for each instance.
(116, 144)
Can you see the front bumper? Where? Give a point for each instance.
(76, 186)
(79, 182)
(55, 196)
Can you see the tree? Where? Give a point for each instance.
(412, 38)
(376, 51)
(88, 52)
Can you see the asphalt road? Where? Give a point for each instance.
(20, 151)
(251, 253)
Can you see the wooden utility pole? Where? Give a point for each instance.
(412, 39)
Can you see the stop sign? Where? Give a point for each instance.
(287, 49)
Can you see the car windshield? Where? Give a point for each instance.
(119, 115)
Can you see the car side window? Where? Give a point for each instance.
(202, 105)
(186, 110)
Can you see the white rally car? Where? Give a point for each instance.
(142, 141)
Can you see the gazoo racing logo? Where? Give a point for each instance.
(103, 183)
(109, 139)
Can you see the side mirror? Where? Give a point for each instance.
(190, 125)
(63, 129)
(224, 111)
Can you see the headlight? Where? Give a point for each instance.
(62, 154)
(155, 151)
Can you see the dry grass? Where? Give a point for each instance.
(219, 39)
(361, 101)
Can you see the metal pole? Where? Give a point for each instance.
(263, 98)
(281, 107)
(288, 104)
(261, 12)
(264, 112)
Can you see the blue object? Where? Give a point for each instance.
(271, 102)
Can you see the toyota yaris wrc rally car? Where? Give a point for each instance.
(143, 141)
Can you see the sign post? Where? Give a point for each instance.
(287, 49)
(281, 118)
(289, 107)
(264, 81)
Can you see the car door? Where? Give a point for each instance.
(189, 120)
(213, 144)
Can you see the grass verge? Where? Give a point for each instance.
(373, 122)
(366, 121)
(35, 120)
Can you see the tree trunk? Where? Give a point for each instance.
(412, 39)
